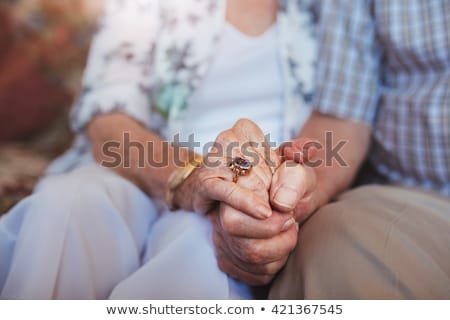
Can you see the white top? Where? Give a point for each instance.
(244, 81)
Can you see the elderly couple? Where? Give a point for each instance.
(374, 73)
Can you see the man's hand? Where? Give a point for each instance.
(254, 251)
(249, 249)
(294, 182)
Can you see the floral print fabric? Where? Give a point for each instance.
(148, 57)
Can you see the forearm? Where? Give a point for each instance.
(334, 177)
(141, 156)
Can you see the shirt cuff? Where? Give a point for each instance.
(127, 99)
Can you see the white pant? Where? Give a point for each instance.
(91, 234)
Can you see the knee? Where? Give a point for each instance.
(324, 239)
(323, 229)
(351, 216)
(78, 194)
(367, 196)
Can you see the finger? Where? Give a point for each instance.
(290, 183)
(236, 196)
(238, 224)
(255, 180)
(300, 150)
(228, 262)
(220, 168)
(264, 251)
(237, 272)
(270, 269)
(250, 131)
(306, 207)
(213, 176)
(228, 146)
(259, 179)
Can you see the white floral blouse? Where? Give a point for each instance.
(148, 57)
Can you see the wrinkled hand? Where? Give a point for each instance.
(212, 184)
(295, 180)
(254, 225)
(249, 249)
(254, 250)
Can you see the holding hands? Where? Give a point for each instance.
(255, 219)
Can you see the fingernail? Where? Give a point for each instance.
(264, 211)
(286, 198)
(288, 224)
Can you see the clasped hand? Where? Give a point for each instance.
(255, 220)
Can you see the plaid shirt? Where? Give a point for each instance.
(387, 63)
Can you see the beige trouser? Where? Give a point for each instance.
(374, 242)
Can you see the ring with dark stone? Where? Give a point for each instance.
(240, 167)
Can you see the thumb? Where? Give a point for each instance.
(289, 185)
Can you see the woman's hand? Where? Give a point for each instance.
(212, 183)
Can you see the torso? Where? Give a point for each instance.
(252, 17)
(237, 87)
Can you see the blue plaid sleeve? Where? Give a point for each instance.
(348, 72)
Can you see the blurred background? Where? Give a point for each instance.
(43, 48)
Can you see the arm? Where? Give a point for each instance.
(115, 101)
(255, 250)
(116, 77)
(346, 99)
(115, 97)
(332, 179)
(146, 160)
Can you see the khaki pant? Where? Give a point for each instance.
(374, 242)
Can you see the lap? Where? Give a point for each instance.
(373, 242)
(72, 226)
(180, 263)
(91, 197)
(90, 218)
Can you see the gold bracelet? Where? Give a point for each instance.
(178, 176)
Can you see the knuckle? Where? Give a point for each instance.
(203, 176)
(229, 222)
(254, 258)
(217, 241)
(303, 208)
(254, 183)
(247, 125)
(254, 254)
(223, 133)
(222, 265)
(257, 180)
(266, 176)
(223, 138)
(273, 228)
(272, 269)
(292, 243)
(197, 204)
(231, 195)
(263, 280)
(243, 123)
(292, 246)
